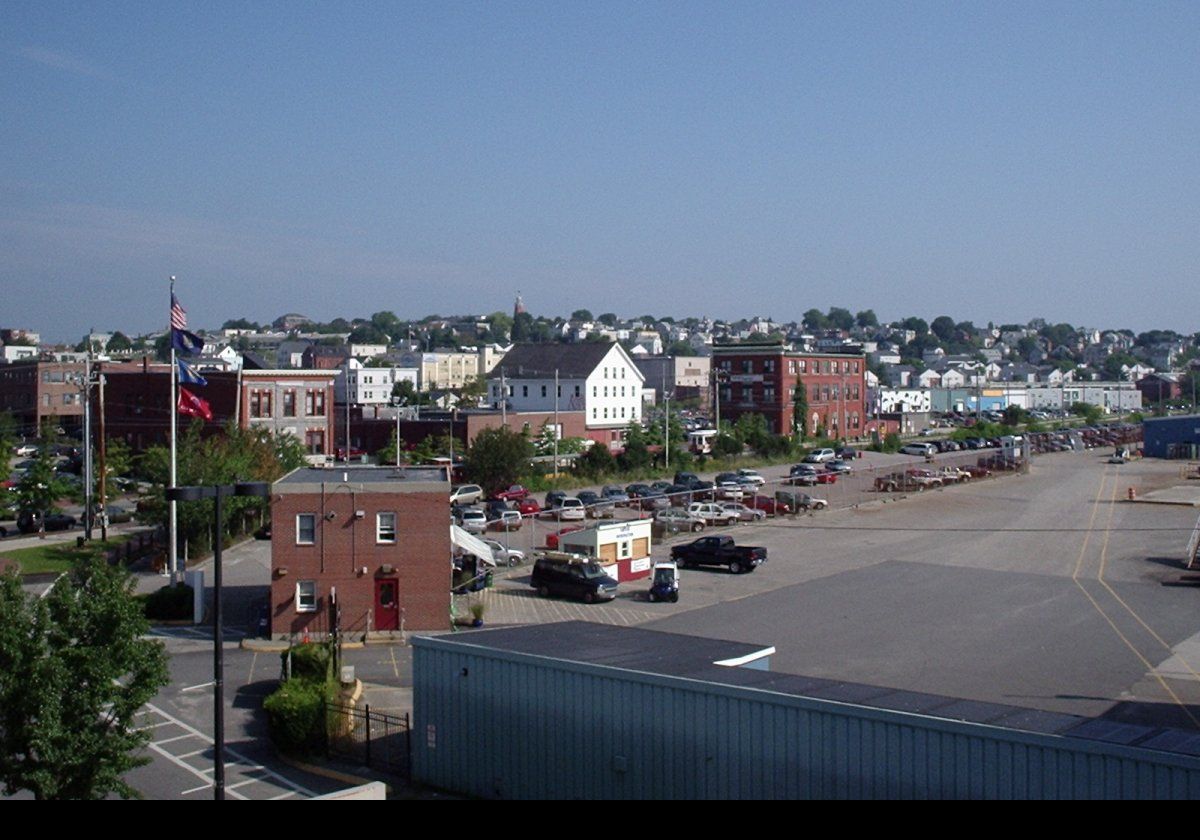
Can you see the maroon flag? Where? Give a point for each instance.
(193, 406)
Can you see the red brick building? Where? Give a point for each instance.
(370, 545)
(762, 379)
(35, 391)
(299, 402)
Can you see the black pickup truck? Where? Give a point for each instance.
(719, 551)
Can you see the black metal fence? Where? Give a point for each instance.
(374, 739)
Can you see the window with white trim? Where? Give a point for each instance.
(306, 596)
(385, 527)
(306, 528)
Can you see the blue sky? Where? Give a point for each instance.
(988, 161)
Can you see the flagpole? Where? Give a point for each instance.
(174, 525)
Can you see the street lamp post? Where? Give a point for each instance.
(217, 492)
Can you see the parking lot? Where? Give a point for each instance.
(1043, 590)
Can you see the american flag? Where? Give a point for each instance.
(178, 314)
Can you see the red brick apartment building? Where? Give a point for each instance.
(761, 379)
(370, 545)
(299, 402)
(35, 391)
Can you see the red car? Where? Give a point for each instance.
(771, 507)
(529, 507)
(552, 539)
(515, 493)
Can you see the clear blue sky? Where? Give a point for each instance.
(990, 161)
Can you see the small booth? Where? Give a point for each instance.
(623, 548)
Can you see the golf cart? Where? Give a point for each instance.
(664, 585)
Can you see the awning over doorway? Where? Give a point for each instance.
(471, 544)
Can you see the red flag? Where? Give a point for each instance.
(192, 405)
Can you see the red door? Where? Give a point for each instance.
(387, 608)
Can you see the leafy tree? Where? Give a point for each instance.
(235, 455)
(41, 486)
(1014, 415)
(241, 324)
(1090, 413)
(75, 669)
(119, 343)
(522, 328)
(866, 319)
(726, 446)
(800, 410)
(680, 348)
(840, 318)
(814, 319)
(1114, 363)
(635, 456)
(581, 315)
(8, 433)
(1027, 346)
(943, 327)
(498, 458)
(368, 334)
(915, 324)
(608, 319)
(499, 327)
(596, 461)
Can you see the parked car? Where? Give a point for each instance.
(513, 493)
(554, 499)
(528, 507)
(712, 513)
(808, 475)
(797, 501)
(29, 522)
(570, 508)
(597, 506)
(509, 520)
(719, 551)
(552, 540)
(744, 512)
(752, 477)
(473, 520)
(847, 453)
(770, 505)
(615, 494)
(675, 520)
(924, 449)
(572, 576)
(729, 491)
(839, 466)
(466, 494)
(507, 556)
(819, 456)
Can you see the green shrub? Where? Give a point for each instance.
(170, 603)
(311, 661)
(296, 715)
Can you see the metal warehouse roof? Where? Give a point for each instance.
(692, 657)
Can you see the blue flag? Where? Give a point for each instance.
(186, 342)
(188, 374)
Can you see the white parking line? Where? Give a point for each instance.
(234, 758)
(176, 738)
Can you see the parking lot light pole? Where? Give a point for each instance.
(217, 492)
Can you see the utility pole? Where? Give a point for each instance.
(86, 389)
(556, 422)
(103, 470)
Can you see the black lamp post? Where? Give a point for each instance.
(217, 492)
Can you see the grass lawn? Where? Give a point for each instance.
(55, 557)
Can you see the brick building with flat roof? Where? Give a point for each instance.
(364, 548)
(762, 379)
(36, 391)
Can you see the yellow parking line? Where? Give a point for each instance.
(1091, 523)
(1113, 592)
